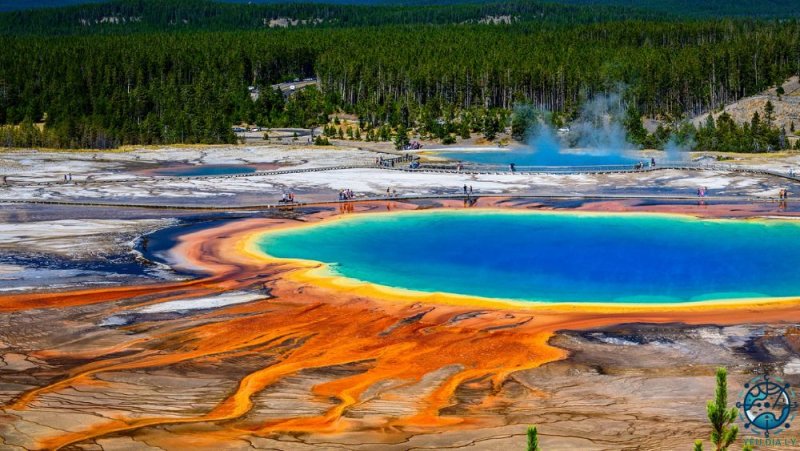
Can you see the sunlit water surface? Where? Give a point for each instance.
(555, 257)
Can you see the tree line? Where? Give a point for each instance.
(130, 16)
(158, 87)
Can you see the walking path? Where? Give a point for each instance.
(432, 169)
(435, 169)
(401, 198)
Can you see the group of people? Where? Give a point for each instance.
(67, 177)
(388, 163)
(391, 192)
(640, 165)
(468, 190)
(702, 191)
(346, 194)
(288, 198)
(783, 194)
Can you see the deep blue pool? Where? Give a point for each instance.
(528, 158)
(200, 170)
(556, 257)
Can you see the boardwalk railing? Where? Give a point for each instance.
(474, 167)
(402, 163)
(478, 169)
(454, 196)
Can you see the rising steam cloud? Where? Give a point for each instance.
(597, 136)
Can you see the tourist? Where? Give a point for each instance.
(652, 162)
(465, 189)
(470, 190)
(389, 192)
(394, 193)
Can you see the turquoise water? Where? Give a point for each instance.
(556, 257)
(207, 169)
(526, 158)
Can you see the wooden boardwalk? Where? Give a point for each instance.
(427, 169)
(269, 206)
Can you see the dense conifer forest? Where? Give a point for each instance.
(148, 72)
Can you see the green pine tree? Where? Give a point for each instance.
(491, 126)
(769, 113)
(634, 126)
(533, 439)
(464, 130)
(401, 140)
(723, 432)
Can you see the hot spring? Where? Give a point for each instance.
(598, 148)
(532, 158)
(553, 256)
(205, 170)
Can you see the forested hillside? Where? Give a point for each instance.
(695, 8)
(127, 16)
(107, 89)
(705, 8)
(16, 5)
